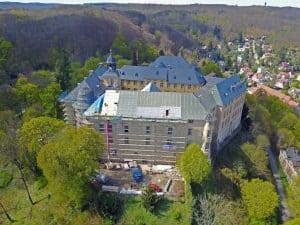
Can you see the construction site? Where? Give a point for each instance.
(130, 178)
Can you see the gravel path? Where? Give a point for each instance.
(285, 215)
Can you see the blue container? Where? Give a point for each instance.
(137, 175)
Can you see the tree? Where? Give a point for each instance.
(34, 134)
(228, 62)
(208, 67)
(260, 199)
(213, 209)
(78, 73)
(9, 122)
(240, 38)
(41, 78)
(149, 198)
(49, 99)
(110, 205)
(5, 49)
(210, 46)
(31, 112)
(11, 151)
(161, 52)
(258, 159)
(293, 197)
(207, 209)
(262, 120)
(62, 70)
(121, 47)
(26, 92)
(286, 138)
(217, 32)
(8, 100)
(194, 165)
(259, 50)
(289, 121)
(262, 142)
(69, 161)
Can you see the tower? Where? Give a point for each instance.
(111, 62)
(110, 78)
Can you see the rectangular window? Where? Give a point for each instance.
(190, 131)
(161, 84)
(147, 141)
(148, 130)
(109, 128)
(101, 127)
(182, 86)
(126, 130)
(134, 82)
(142, 82)
(170, 130)
(169, 142)
(174, 85)
(126, 140)
(189, 86)
(110, 140)
(113, 152)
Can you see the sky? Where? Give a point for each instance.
(280, 3)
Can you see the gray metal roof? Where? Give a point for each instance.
(221, 91)
(184, 106)
(92, 81)
(171, 62)
(190, 75)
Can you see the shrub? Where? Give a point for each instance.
(110, 205)
(149, 199)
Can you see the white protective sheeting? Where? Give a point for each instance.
(110, 103)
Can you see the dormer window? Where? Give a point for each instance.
(157, 72)
(174, 77)
(189, 78)
(136, 74)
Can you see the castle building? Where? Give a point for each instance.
(151, 113)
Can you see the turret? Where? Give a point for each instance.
(111, 62)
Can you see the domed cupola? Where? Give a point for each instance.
(111, 62)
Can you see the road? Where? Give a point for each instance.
(285, 215)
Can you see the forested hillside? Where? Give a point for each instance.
(39, 32)
(281, 24)
(81, 32)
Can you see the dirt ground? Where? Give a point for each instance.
(123, 178)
